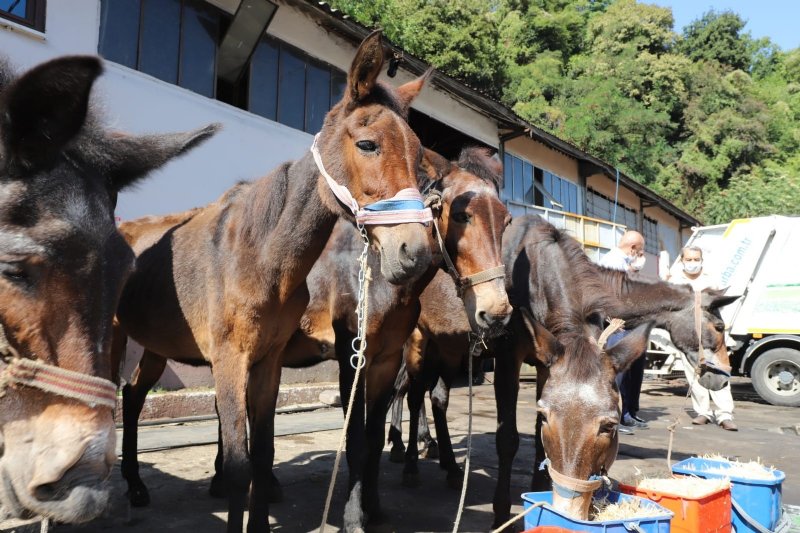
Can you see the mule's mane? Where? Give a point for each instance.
(478, 161)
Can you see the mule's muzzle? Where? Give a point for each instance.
(713, 378)
(405, 252)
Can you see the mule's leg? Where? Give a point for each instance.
(429, 449)
(397, 454)
(356, 449)
(262, 397)
(133, 396)
(380, 378)
(506, 391)
(440, 400)
(230, 377)
(416, 399)
(540, 480)
(217, 488)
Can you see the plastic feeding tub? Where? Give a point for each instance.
(545, 515)
(699, 505)
(755, 490)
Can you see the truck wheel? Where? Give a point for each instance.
(776, 376)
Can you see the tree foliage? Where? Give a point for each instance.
(709, 117)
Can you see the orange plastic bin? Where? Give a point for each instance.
(710, 513)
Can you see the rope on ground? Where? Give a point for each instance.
(364, 278)
(517, 517)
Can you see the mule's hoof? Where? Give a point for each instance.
(397, 455)
(455, 478)
(217, 488)
(411, 479)
(431, 451)
(139, 496)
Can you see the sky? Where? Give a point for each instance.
(776, 19)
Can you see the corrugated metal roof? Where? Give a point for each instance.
(341, 24)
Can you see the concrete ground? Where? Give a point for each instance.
(177, 464)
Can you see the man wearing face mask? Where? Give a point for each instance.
(629, 257)
(692, 273)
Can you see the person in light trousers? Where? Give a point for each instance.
(692, 273)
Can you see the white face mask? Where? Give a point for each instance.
(638, 263)
(693, 267)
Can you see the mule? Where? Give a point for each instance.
(226, 285)
(470, 218)
(606, 292)
(62, 267)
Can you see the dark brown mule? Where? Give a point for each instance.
(226, 286)
(441, 340)
(471, 219)
(62, 267)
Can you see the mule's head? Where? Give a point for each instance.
(579, 408)
(472, 220)
(715, 366)
(62, 267)
(367, 146)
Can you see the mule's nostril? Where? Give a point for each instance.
(46, 492)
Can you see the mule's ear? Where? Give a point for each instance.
(632, 346)
(547, 347)
(44, 109)
(714, 299)
(433, 165)
(408, 91)
(130, 158)
(366, 67)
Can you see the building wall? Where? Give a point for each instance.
(545, 158)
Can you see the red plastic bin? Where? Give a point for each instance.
(710, 513)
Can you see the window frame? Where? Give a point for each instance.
(34, 18)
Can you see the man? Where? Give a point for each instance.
(692, 273)
(628, 256)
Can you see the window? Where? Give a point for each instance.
(26, 12)
(178, 41)
(651, 236)
(518, 186)
(290, 87)
(602, 207)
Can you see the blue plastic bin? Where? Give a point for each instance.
(547, 516)
(758, 498)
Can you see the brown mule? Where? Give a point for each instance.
(537, 282)
(226, 285)
(62, 267)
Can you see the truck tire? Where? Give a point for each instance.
(776, 376)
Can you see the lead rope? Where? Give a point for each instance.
(698, 328)
(357, 361)
(476, 347)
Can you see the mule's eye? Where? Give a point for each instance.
(719, 326)
(367, 146)
(461, 218)
(608, 428)
(12, 272)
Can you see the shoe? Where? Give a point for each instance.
(624, 430)
(639, 419)
(728, 425)
(630, 421)
(700, 420)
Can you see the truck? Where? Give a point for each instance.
(757, 259)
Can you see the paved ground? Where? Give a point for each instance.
(178, 477)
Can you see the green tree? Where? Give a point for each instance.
(717, 37)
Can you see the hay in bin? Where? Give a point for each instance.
(688, 487)
(603, 510)
(750, 470)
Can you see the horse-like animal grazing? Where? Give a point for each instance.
(62, 267)
(547, 267)
(225, 285)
